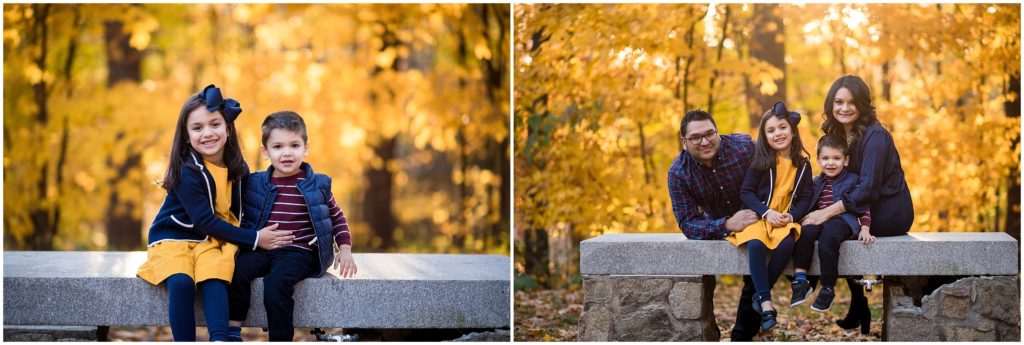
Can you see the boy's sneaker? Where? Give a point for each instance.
(234, 334)
(801, 292)
(824, 300)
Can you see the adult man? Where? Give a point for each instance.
(704, 184)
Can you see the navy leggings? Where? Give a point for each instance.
(764, 274)
(181, 296)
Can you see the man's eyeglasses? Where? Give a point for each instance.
(698, 139)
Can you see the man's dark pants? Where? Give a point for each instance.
(281, 269)
(748, 321)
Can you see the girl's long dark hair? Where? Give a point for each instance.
(764, 154)
(861, 100)
(181, 148)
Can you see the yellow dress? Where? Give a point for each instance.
(782, 195)
(210, 259)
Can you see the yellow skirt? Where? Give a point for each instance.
(211, 259)
(771, 237)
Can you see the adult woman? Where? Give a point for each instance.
(881, 186)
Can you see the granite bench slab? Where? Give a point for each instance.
(916, 254)
(391, 291)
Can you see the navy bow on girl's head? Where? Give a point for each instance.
(779, 111)
(230, 108)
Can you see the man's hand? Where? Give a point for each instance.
(346, 262)
(865, 235)
(741, 220)
(270, 238)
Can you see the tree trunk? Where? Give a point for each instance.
(768, 45)
(535, 255)
(43, 216)
(497, 79)
(377, 198)
(124, 227)
(1012, 109)
(715, 71)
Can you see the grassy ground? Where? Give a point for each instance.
(553, 315)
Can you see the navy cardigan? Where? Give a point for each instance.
(187, 213)
(757, 191)
(877, 164)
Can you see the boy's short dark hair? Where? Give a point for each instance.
(694, 115)
(288, 120)
(833, 142)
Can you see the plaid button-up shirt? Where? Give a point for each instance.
(704, 197)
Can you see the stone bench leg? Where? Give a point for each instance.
(55, 333)
(648, 308)
(970, 309)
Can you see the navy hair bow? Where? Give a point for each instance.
(230, 108)
(779, 111)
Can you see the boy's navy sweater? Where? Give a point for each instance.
(187, 213)
(757, 191)
(843, 183)
(315, 189)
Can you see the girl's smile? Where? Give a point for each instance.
(779, 134)
(207, 132)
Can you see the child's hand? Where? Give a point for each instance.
(774, 218)
(786, 218)
(346, 262)
(865, 235)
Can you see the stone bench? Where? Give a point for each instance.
(655, 287)
(391, 291)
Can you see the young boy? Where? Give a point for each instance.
(291, 195)
(832, 183)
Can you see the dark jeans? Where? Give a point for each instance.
(281, 269)
(764, 274)
(829, 235)
(181, 297)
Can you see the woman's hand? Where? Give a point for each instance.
(346, 262)
(865, 235)
(815, 218)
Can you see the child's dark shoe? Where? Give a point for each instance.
(235, 334)
(801, 292)
(768, 319)
(824, 300)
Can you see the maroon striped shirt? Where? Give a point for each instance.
(826, 199)
(291, 213)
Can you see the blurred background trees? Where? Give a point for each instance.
(407, 108)
(600, 91)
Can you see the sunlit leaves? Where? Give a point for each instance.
(329, 63)
(599, 99)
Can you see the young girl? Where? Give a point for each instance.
(778, 188)
(204, 192)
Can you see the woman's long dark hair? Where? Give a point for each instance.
(181, 148)
(861, 99)
(764, 154)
